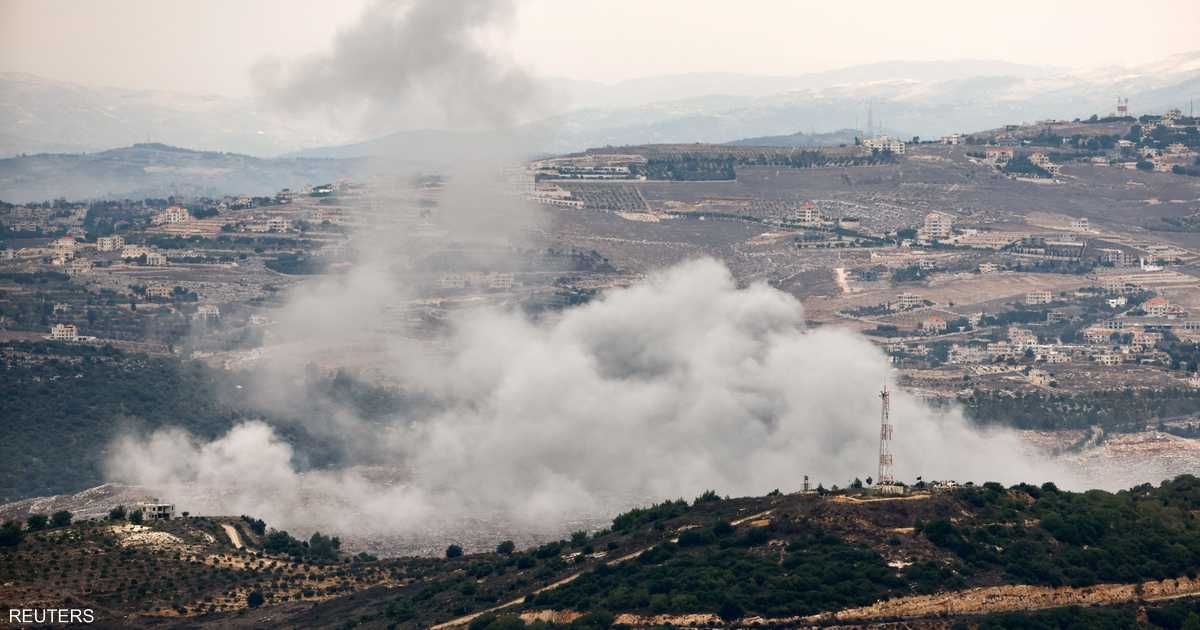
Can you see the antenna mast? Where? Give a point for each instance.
(886, 477)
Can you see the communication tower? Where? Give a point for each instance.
(886, 475)
(1122, 106)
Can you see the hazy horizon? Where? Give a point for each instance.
(586, 41)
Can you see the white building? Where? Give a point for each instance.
(208, 311)
(174, 214)
(906, 301)
(954, 138)
(156, 259)
(808, 214)
(278, 224)
(989, 268)
(937, 227)
(453, 281)
(134, 251)
(109, 243)
(159, 291)
(1039, 296)
(64, 332)
(154, 511)
(885, 143)
(501, 281)
(79, 266)
(1080, 225)
(65, 247)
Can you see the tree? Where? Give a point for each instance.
(10, 534)
(117, 513)
(135, 517)
(506, 548)
(255, 599)
(36, 522)
(579, 538)
(453, 551)
(61, 518)
(730, 610)
(322, 547)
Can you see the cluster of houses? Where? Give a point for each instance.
(479, 279)
(1100, 345)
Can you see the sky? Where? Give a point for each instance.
(209, 46)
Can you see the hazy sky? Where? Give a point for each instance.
(209, 46)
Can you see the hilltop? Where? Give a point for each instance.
(157, 170)
(845, 557)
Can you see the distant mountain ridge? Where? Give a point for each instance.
(39, 115)
(925, 99)
(800, 139)
(158, 170)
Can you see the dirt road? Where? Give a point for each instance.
(233, 535)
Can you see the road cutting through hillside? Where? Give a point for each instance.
(466, 619)
(233, 535)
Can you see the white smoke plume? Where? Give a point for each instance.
(681, 383)
(410, 64)
(678, 384)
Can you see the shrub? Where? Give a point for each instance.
(506, 548)
(11, 534)
(453, 551)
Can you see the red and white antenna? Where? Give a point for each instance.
(886, 475)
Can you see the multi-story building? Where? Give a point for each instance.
(1039, 296)
(501, 281)
(885, 143)
(65, 247)
(906, 301)
(933, 325)
(999, 155)
(156, 259)
(64, 332)
(154, 511)
(134, 251)
(159, 291)
(109, 243)
(937, 227)
(453, 281)
(208, 311)
(808, 214)
(173, 214)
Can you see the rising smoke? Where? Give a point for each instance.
(410, 64)
(680, 383)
